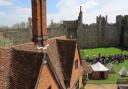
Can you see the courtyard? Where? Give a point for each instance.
(103, 86)
(100, 86)
(91, 54)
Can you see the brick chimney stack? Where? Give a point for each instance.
(39, 23)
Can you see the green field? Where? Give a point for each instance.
(92, 53)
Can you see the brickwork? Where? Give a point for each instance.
(44, 18)
(46, 79)
(76, 73)
(39, 21)
(36, 19)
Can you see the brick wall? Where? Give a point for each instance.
(36, 17)
(47, 79)
(39, 20)
(76, 73)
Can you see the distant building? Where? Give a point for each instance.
(99, 34)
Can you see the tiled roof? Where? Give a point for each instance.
(86, 67)
(60, 52)
(66, 50)
(4, 67)
(24, 69)
(55, 60)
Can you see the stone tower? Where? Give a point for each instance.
(80, 14)
(39, 29)
(101, 22)
(101, 26)
(119, 19)
(80, 18)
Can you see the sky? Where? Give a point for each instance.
(15, 11)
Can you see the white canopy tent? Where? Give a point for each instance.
(99, 67)
(123, 72)
(111, 68)
(99, 71)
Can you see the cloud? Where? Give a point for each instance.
(15, 12)
(116, 7)
(5, 3)
(69, 9)
(23, 11)
(19, 14)
(90, 4)
(2, 13)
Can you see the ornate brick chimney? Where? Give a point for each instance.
(39, 30)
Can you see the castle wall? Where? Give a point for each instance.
(100, 34)
(91, 37)
(87, 38)
(126, 38)
(124, 28)
(111, 36)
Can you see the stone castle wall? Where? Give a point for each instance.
(99, 34)
(126, 38)
(90, 37)
(112, 36)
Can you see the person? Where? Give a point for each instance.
(99, 54)
(122, 51)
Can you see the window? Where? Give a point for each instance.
(76, 64)
(49, 87)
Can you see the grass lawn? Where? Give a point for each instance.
(92, 53)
